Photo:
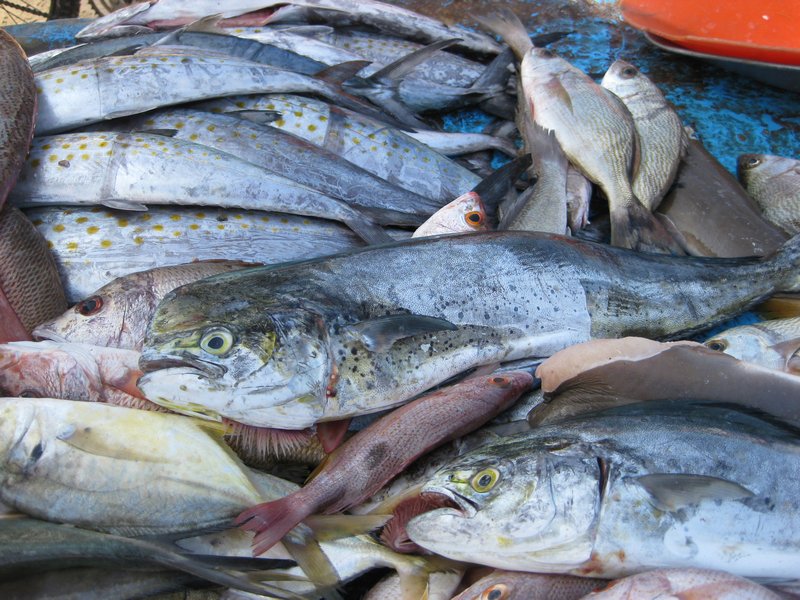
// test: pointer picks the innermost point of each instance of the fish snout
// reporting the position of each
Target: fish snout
(153, 361)
(42, 332)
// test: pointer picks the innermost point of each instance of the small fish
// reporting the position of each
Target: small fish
(465, 213)
(516, 585)
(372, 457)
(441, 586)
(684, 583)
(662, 139)
(95, 245)
(30, 286)
(117, 314)
(774, 183)
(771, 344)
(456, 143)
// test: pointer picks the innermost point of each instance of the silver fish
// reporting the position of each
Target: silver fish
(774, 183)
(772, 344)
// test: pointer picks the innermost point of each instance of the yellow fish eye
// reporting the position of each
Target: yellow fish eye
(485, 480)
(217, 341)
(718, 345)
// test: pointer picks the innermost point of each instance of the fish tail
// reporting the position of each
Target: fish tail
(507, 25)
(787, 260)
(636, 228)
(270, 521)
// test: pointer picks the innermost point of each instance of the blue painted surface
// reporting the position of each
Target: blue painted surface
(46, 35)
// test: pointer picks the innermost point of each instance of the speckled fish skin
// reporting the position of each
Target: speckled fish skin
(388, 17)
(28, 274)
(130, 171)
(117, 314)
(774, 183)
(18, 107)
(294, 158)
(384, 151)
(771, 344)
(464, 214)
(70, 371)
(516, 585)
(662, 139)
(298, 338)
(94, 245)
(626, 490)
(119, 470)
(116, 86)
(684, 583)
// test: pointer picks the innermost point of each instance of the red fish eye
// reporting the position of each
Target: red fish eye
(90, 306)
(474, 218)
(500, 381)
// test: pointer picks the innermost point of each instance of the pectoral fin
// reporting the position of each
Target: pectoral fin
(87, 439)
(381, 333)
(672, 491)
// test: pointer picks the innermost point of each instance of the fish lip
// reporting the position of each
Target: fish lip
(169, 361)
(456, 501)
(43, 333)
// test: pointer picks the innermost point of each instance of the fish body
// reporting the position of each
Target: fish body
(111, 168)
(94, 245)
(662, 139)
(465, 213)
(626, 490)
(362, 331)
(771, 344)
(117, 314)
(516, 585)
(774, 183)
(381, 150)
(117, 469)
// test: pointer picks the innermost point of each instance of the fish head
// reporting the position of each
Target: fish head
(464, 214)
(516, 506)
(233, 357)
(749, 344)
(623, 79)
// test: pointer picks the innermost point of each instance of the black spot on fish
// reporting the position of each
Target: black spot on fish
(37, 452)
(376, 455)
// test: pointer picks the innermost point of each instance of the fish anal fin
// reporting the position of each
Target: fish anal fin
(672, 491)
(381, 333)
(331, 434)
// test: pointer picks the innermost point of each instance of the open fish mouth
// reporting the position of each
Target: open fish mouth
(149, 364)
(446, 499)
(43, 333)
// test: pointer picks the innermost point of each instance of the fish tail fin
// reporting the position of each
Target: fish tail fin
(787, 259)
(367, 229)
(270, 521)
(636, 228)
(495, 76)
(507, 25)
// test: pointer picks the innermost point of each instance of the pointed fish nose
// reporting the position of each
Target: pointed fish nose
(153, 361)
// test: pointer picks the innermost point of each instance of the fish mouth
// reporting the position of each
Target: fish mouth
(43, 333)
(447, 499)
(148, 364)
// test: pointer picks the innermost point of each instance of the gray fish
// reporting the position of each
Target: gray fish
(302, 343)
(774, 183)
(644, 486)
(131, 170)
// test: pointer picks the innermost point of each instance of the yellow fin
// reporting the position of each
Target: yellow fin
(333, 527)
(86, 439)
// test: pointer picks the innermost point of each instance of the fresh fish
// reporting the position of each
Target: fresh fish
(455, 143)
(705, 195)
(118, 470)
(117, 86)
(111, 168)
(95, 245)
(515, 585)
(18, 109)
(774, 183)
(384, 151)
(117, 314)
(465, 213)
(662, 139)
(69, 371)
(293, 158)
(441, 586)
(301, 343)
(579, 195)
(633, 488)
(368, 460)
(771, 344)
(684, 583)
(594, 129)
(31, 544)
(601, 373)
(386, 17)
(30, 288)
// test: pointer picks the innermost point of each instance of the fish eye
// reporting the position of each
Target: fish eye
(498, 591)
(217, 341)
(90, 306)
(28, 393)
(717, 345)
(500, 381)
(474, 218)
(751, 162)
(485, 480)
(629, 72)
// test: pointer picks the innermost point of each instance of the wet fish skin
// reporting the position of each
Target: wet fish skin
(94, 245)
(595, 496)
(771, 344)
(662, 139)
(579, 195)
(774, 183)
(29, 279)
(464, 214)
(372, 457)
(117, 314)
(516, 585)
(322, 347)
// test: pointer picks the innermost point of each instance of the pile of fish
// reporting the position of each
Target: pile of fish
(310, 334)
